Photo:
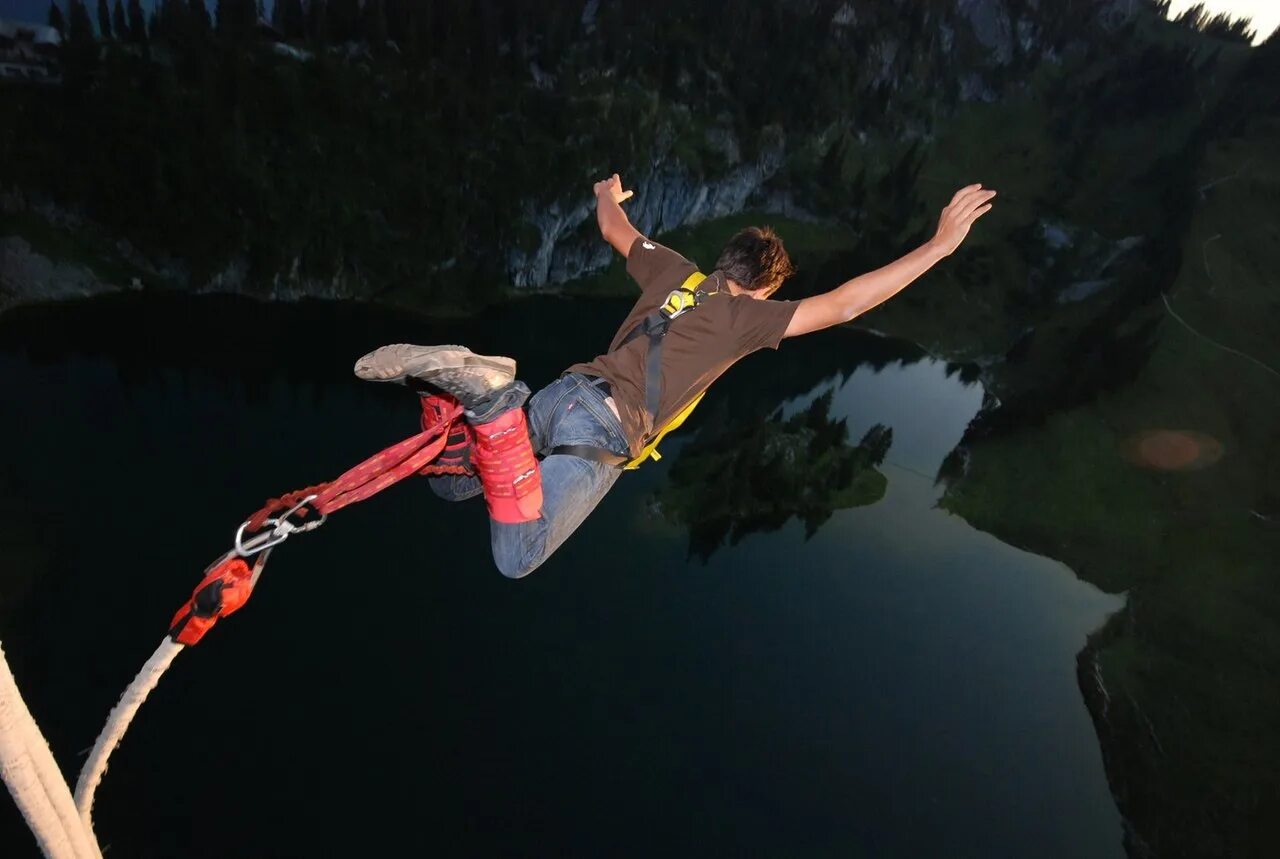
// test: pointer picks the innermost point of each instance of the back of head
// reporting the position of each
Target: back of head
(756, 260)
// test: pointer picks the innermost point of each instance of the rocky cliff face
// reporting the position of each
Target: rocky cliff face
(27, 276)
(671, 195)
(667, 197)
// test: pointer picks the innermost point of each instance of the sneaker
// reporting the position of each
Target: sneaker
(473, 379)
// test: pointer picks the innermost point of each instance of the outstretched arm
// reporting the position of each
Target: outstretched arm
(614, 225)
(857, 296)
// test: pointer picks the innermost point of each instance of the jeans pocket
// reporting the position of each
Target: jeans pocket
(585, 419)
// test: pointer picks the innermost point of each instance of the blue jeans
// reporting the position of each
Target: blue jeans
(568, 411)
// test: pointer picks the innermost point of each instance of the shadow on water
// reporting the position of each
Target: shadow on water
(850, 669)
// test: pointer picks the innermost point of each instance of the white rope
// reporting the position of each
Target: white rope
(117, 723)
(34, 780)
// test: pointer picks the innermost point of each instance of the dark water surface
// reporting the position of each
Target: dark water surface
(899, 684)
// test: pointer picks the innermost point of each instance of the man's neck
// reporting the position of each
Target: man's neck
(735, 288)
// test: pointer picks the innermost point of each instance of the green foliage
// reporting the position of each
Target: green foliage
(236, 20)
(137, 23)
(1220, 26)
(80, 28)
(119, 23)
(104, 19)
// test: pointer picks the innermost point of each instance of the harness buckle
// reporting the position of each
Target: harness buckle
(679, 302)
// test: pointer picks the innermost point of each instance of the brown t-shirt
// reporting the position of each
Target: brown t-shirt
(698, 347)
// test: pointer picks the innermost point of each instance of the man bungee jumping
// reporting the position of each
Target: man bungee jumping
(543, 471)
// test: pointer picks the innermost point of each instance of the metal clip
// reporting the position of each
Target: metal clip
(275, 530)
(679, 302)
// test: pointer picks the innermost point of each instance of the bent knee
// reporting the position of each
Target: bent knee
(520, 549)
(516, 567)
(516, 562)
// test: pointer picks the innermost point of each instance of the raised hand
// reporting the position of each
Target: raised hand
(969, 203)
(613, 188)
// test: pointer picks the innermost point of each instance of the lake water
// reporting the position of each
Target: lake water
(896, 684)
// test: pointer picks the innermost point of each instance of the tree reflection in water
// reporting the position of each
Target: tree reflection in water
(737, 479)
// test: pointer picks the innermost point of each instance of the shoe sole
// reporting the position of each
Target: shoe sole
(400, 360)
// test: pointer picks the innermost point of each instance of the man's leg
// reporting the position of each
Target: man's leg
(568, 411)
(571, 489)
(526, 524)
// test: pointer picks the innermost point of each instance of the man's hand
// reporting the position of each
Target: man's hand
(612, 188)
(855, 297)
(969, 204)
(614, 225)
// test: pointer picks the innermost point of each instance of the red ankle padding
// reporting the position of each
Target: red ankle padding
(456, 456)
(503, 456)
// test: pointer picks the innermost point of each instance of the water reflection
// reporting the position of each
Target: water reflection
(737, 479)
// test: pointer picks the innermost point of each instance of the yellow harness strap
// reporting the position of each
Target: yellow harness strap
(678, 302)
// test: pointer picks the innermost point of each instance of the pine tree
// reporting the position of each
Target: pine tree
(81, 28)
(344, 20)
(198, 19)
(397, 15)
(119, 22)
(374, 25)
(293, 22)
(170, 20)
(318, 21)
(137, 23)
(55, 19)
(237, 19)
(104, 19)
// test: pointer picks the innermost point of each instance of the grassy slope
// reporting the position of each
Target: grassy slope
(1190, 666)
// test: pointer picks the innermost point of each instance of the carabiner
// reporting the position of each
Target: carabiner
(276, 530)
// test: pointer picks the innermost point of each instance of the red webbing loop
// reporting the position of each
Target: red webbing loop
(369, 477)
(221, 592)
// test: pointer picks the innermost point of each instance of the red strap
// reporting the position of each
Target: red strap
(383, 469)
(369, 477)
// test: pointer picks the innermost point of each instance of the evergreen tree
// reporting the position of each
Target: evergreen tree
(397, 15)
(318, 22)
(104, 19)
(170, 20)
(81, 28)
(119, 22)
(198, 19)
(237, 19)
(55, 19)
(374, 25)
(293, 22)
(344, 20)
(137, 23)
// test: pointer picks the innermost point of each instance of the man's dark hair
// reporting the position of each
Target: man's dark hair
(756, 259)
